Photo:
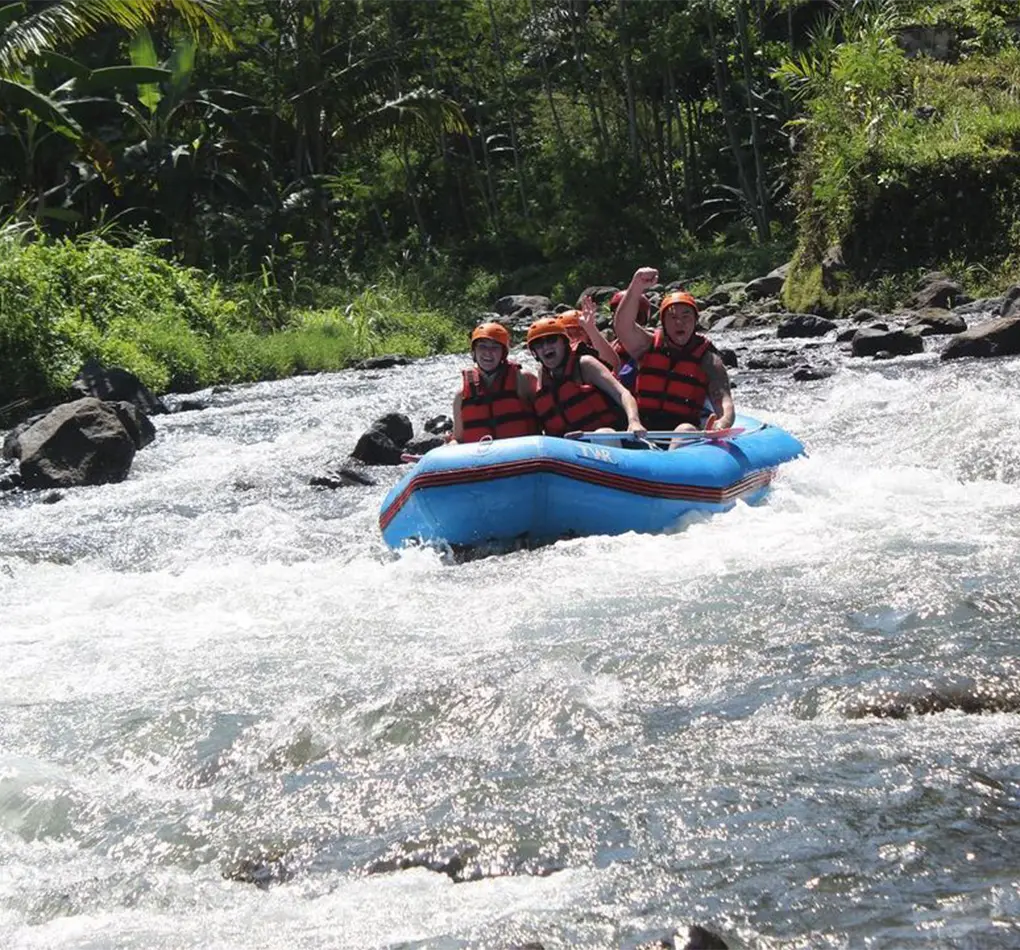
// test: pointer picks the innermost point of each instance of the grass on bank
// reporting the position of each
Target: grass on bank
(63, 301)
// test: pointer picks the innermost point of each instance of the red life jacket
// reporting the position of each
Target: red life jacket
(498, 412)
(671, 385)
(569, 405)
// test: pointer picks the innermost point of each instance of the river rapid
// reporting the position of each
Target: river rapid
(231, 718)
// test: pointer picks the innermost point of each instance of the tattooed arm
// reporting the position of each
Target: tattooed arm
(718, 391)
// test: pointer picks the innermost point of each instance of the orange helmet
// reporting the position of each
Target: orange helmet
(644, 305)
(571, 320)
(491, 331)
(547, 326)
(678, 296)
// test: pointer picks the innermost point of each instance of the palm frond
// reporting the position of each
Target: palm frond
(421, 113)
(45, 27)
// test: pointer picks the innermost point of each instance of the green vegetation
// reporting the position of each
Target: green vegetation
(910, 164)
(216, 190)
(64, 301)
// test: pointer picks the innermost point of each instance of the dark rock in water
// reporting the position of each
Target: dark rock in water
(768, 360)
(999, 337)
(972, 698)
(85, 442)
(381, 362)
(375, 447)
(804, 325)
(740, 321)
(438, 425)
(807, 372)
(728, 356)
(691, 937)
(188, 405)
(984, 305)
(135, 422)
(698, 938)
(866, 316)
(10, 481)
(884, 355)
(396, 426)
(263, 871)
(933, 322)
(343, 477)
(869, 342)
(423, 444)
(846, 334)
(52, 497)
(450, 862)
(114, 384)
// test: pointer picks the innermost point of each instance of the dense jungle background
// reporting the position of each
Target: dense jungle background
(208, 191)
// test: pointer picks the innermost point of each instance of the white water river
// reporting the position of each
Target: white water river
(214, 672)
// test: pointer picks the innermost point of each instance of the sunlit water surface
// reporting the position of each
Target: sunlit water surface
(229, 715)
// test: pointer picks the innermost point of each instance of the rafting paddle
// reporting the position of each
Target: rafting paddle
(711, 435)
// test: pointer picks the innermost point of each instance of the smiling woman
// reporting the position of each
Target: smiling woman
(495, 398)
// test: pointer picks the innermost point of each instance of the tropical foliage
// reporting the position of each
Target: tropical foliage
(303, 151)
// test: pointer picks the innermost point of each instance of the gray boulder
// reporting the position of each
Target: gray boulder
(1000, 337)
(383, 442)
(933, 322)
(942, 293)
(85, 442)
(804, 325)
(871, 342)
(519, 306)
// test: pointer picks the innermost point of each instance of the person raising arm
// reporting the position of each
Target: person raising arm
(677, 368)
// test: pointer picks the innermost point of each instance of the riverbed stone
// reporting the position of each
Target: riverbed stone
(381, 362)
(999, 337)
(932, 321)
(804, 325)
(870, 342)
(85, 442)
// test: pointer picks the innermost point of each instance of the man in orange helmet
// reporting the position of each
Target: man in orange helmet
(495, 398)
(677, 368)
(575, 391)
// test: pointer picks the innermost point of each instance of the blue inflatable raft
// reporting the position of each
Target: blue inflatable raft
(540, 488)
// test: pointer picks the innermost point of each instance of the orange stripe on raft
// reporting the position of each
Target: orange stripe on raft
(626, 483)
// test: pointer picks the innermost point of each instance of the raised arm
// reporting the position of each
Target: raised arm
(595, 374)
(606, 353)
(718, 391)
(635, 338)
